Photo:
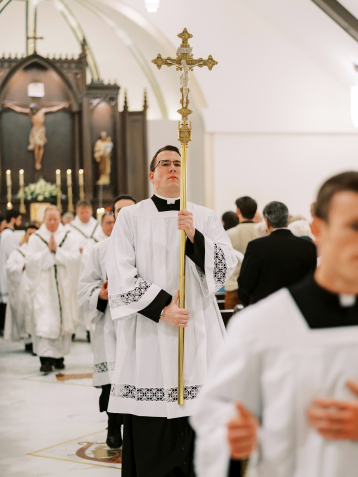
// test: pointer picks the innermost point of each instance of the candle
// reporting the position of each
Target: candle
(58, 177)
(21, 177)
(69, 177)
(8, 177)
(80, 177)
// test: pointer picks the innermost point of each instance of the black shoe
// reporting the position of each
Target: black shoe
(73, 337)
(114, 436)
(58, 363)
(88, 336)
(46, 367)
(29, 348)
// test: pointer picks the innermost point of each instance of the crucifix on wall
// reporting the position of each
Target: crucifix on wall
(37, 136)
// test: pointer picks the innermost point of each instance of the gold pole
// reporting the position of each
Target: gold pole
(182, 241)
(184, 62)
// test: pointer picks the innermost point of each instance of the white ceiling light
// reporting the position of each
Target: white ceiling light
(152, 6)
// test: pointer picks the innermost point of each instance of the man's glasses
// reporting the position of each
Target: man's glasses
(164, 164)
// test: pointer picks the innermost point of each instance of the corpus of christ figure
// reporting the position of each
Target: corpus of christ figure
(37, 136)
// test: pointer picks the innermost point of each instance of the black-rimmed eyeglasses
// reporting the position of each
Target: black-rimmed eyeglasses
(165, 163)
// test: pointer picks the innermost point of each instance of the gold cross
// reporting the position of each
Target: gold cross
(184, 53)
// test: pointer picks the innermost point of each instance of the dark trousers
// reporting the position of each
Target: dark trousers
(2, 315)
(104, 397)
(157, 447)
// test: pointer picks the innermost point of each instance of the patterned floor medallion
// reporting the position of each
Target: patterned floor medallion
(91, 449)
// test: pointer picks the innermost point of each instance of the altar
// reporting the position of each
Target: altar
(52, 120)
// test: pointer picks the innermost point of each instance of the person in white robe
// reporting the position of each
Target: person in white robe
(93, 296)
(87, 231)
(143, 281)
(290, 360)
(52, 255)
(107, 223)
(9, 241)
(17, 323)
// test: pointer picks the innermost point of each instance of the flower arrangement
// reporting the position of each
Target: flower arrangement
(40, 190)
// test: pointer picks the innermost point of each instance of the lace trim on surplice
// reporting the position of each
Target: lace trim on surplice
(129, 391)
(123, 299)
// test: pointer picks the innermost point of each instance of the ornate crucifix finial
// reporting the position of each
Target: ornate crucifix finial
(184, 62)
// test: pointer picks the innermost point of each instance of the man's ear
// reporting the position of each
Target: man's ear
(151, 177)
(316, 226)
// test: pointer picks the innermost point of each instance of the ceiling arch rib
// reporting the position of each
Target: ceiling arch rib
(4, 4)
(138, 56)
(79, 34)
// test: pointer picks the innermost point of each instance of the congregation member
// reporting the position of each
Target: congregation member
(229, 220)
(52, 255)
(17, 324)
(276, 261)
(143, 282)
(93, 296)
(291, 361)
(240, 236)
(8, 243)
(67, 218)
(301, 228)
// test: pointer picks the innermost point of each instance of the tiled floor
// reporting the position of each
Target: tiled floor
(49, 427)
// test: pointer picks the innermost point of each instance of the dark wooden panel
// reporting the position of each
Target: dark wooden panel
(137, 166)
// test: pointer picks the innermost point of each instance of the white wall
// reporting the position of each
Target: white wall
(285, 167)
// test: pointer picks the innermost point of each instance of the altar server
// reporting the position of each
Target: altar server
(17, 324)
(9, 242)
(294, 354)
(52, 254)
(107, 223)
(93, 296)
(143, 281)
(85, 227)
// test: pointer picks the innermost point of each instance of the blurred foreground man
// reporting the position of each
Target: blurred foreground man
(52, 254)
(93, 296)
(294, 353)
(143, 281)
(17, 323)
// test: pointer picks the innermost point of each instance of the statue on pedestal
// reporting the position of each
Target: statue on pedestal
(37, 136)
(102, 154)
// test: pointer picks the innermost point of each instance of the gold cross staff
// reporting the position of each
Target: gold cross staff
(185, 63)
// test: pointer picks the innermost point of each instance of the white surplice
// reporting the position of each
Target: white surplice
(52, 291)
(9, 241)
(17, 323)
(142, 261)
(276, 365)
(84, 232)
(104, 336)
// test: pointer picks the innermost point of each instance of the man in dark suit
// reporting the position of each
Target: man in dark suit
(276, 261)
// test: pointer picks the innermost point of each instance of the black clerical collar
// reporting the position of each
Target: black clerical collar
(163, 206)
(322, 308)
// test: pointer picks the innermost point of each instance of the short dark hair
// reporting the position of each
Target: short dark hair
(11, 214)
(84, 203)
(230, 220)
(247, 206)
(122, 197)
(2, 218)
(165, 148)
(346, 181)
(31, 226)
(108, 212)
(277, 214)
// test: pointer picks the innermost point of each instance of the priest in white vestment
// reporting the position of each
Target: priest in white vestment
(289, 360)
(93, 297)
(52, 255)
(8, 243)
(107, 223)
(17, 323)
(143, 281)
(87, 231)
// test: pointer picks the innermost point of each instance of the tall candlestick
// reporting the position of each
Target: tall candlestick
(58, 187)
(8, 183)
(81, 184)
(70, 207)
(21, 183)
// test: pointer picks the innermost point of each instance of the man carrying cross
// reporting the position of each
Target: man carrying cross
(143, 281)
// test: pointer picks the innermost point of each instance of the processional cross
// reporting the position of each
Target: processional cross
(184, 62)
(35, 38)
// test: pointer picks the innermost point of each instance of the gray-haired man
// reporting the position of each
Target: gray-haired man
(276, 261)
